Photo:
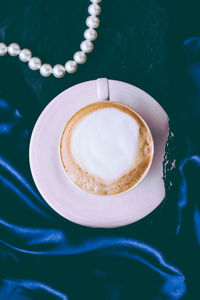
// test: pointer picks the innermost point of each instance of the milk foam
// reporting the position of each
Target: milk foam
(105, 143)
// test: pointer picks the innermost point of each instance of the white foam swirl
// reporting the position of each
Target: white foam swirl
(105, 143)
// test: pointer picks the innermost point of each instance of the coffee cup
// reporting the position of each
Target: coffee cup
(106, 148)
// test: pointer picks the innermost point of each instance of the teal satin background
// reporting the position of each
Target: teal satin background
(42, 255)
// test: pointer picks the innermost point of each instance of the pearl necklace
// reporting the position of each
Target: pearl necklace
(34, 63)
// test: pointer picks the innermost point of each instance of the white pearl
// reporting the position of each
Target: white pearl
(87, 46)
(71, 66)
(13, 49)
(34, 63)
(94, 9)
(80, 57)
(3, 49)
(92, 21)
(25, 55)
(58, 71)
(90, 34)
(95, 1)
(46, 70)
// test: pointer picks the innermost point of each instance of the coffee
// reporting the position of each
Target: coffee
(106, 148)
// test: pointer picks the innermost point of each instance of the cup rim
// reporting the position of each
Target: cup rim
(144, 174)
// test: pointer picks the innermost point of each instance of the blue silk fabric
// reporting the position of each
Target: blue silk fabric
(44, 256)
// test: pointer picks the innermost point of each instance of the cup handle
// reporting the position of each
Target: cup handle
(102, 89)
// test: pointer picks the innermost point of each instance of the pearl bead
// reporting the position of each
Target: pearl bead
(46, 70)
(13, 49)
(87, 46)
(3, 49)
(90, 34)
(95, 1)
(25, 55)
(34, 63)
(94, 9)
(92, 21)
(71, 66)
(58, 71)
(80, 57)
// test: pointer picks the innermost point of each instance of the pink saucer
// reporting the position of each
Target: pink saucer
(55, 186)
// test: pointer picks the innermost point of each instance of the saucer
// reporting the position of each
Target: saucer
(56, 187)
